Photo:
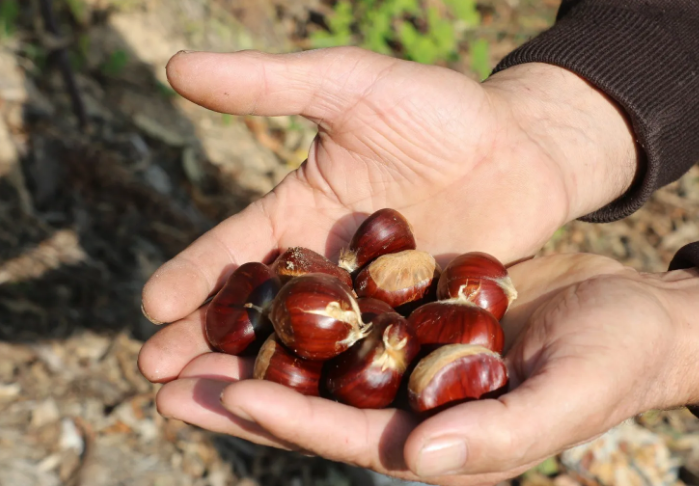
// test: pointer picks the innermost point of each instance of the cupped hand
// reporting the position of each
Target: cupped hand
(590, 344)
(496, 167)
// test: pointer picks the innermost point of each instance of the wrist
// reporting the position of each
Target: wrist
(680, 293)
(584, 132)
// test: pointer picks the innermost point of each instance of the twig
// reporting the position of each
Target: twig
(64, 64)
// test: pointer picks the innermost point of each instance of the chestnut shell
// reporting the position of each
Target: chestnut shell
(479, 278)
(384, 231)
(372, 308)
(456, 373)
(317, 317)
(276, 363)
(298, 261)
(398, 278)
(236, 318)
(369, 374)
(440, 323)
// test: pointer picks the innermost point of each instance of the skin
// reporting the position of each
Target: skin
(530, 149)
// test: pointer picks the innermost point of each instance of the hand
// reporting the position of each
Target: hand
(497, 166)
(590, 343)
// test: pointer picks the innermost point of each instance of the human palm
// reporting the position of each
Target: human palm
(445, 151)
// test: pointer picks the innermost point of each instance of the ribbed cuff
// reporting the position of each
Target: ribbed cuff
(638, 60)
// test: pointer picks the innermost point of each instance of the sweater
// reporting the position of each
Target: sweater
(644, 54)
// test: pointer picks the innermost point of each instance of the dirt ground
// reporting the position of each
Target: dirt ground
(89, 211)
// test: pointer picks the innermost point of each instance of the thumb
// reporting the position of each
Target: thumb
(320, 84)
(562, 405)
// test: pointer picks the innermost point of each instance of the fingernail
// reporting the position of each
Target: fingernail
(154, 321)
(186, 51)
(442, 456)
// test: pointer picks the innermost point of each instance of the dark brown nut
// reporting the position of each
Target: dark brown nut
(398, 278)
(385, 231)
(454, 374)
(276, 363)
(317, 317)
(298, 261)
(478, 278)
(369, 373)
(237, 315)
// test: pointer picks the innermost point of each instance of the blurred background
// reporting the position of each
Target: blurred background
(105, 173)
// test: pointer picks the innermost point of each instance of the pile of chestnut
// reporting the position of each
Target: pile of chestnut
(385, 317)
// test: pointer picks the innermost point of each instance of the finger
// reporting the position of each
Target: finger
(219, 366)
(318, 84)
(181, 285)
(367, 438)
(197, 402)
(163, 357)
(548, 413)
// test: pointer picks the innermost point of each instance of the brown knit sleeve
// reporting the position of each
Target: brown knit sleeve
(644, 54)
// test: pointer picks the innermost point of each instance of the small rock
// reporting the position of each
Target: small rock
(45, 413)
(71, 438)
(10, 390)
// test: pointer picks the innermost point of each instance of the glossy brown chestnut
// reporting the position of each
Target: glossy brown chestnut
(369, 373)
(385, 231)
(317, 317)
(456, 373)
(236, 316)
(440, 323)
(276, 363)
(372, 308)
(479, 278)
(398, 278)
(299, 261)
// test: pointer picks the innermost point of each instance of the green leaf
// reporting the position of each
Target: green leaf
(442, 32)
(79, 11)
(376, 27)
(480, 58)
(116, 63)
(341, 20)
(9, 12)
(465, 11)
(408, 35)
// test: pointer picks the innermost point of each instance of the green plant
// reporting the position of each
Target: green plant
(406, 28)
(115, 64)
(9, 12)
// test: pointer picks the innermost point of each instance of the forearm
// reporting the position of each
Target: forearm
(643, 56)
(578, 126)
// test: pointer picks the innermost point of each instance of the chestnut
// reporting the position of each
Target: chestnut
(301, 261)
(385, 231)
(372, 308)
(236, 316)
(456, 373)
(478, 278)
(440, 323)
(276, 363)
(398, 278)
(369, 373)
(317, 317)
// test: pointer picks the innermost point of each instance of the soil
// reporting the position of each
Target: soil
(88, 212)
